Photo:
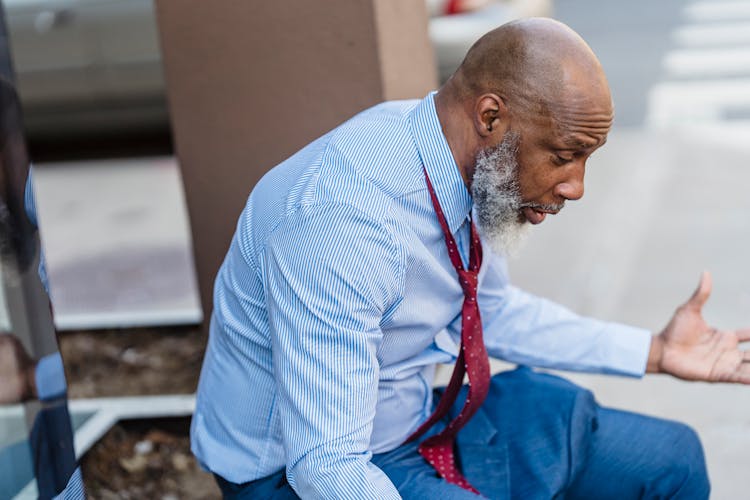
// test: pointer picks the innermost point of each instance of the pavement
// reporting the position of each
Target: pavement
(117, 243)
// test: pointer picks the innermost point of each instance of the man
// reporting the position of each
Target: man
(356, 268)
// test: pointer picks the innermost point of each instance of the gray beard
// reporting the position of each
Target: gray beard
(497, 197)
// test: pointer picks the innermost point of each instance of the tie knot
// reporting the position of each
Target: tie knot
(468, 281)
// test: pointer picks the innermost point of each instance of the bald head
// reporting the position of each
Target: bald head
(533, 64)
(535, 78)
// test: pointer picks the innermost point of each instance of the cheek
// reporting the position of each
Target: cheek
(536, 176)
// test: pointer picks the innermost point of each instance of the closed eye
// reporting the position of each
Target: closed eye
(561, 160)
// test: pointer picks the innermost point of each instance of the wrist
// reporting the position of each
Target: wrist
(655, 354)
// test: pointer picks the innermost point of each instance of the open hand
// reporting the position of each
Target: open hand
(690, 349)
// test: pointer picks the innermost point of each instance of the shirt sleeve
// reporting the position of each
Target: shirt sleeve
(522, 328)
(31, 213)
(330, 274)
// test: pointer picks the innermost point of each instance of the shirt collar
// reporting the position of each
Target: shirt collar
(454, 198)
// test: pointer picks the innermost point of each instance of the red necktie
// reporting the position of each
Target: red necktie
(472, 359)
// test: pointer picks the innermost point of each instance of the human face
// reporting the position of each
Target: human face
(552, 155)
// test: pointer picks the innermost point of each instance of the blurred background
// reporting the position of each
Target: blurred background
(665, 199)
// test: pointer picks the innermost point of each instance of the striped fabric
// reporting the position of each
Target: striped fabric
(337, 298)
(30, 206)
(74, 489)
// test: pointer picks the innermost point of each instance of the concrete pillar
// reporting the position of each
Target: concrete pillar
(249, 83)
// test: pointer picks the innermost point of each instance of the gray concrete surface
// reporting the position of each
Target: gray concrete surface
(117, 243)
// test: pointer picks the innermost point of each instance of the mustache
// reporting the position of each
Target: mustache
(544, 207)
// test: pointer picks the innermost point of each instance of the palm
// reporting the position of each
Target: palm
(692, 350)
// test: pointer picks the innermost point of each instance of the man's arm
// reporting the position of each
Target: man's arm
(526, 329)
(330, 273)
(522, 328)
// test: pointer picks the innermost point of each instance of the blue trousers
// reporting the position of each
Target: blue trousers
(538, 436)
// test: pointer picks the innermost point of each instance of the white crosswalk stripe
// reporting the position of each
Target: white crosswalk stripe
(706, 76)
(712, 34)
(708, 62)
(715, 10)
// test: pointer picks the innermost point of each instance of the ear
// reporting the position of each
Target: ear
(491, 115)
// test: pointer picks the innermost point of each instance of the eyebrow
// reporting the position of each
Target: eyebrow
(573, 144)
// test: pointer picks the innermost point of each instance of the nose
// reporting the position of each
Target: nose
(572, 187)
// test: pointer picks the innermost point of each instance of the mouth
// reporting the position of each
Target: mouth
(535, 215)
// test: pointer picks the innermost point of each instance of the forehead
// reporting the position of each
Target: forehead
(573, 125)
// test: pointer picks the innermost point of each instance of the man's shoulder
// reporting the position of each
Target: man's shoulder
(394, 108)
(366, 163)
(376, 126)
(375, 149)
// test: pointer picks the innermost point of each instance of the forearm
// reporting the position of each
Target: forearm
(526, 329)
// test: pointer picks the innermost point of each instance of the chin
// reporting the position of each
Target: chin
(507, 239)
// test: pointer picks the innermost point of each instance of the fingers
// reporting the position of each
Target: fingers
(742, 374)
(743, 335)
(700, 295)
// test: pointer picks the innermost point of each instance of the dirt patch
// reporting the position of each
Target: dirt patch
(151, 459)
(139, 458)
(141, 361)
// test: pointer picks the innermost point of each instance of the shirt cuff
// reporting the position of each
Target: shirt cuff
(50, 377)
(628, 348)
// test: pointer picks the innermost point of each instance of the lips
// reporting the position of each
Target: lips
(534, 215)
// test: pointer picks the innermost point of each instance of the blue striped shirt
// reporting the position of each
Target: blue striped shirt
(337, 299)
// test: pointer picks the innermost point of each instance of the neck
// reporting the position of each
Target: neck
(452, 118)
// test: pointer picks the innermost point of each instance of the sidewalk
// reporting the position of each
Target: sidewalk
(117, 243)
